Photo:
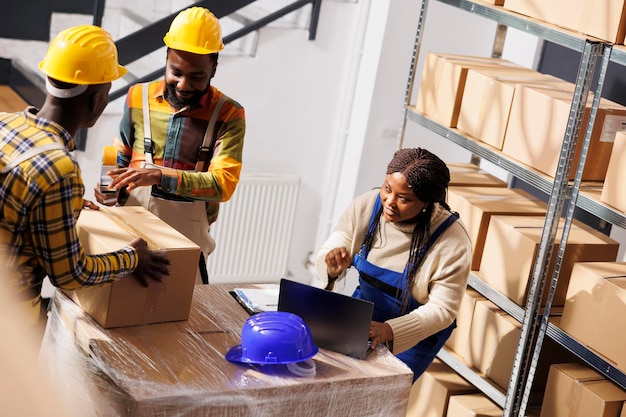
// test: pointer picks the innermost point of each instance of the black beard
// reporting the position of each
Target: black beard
(170, 96)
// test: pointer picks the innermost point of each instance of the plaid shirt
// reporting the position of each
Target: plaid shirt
(176, 138)
(40, 201)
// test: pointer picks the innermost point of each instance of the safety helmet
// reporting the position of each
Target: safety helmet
(82, 55)
(195, 30)
(273, 337)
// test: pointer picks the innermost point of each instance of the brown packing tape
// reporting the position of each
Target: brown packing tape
(109, 155)
(116, 218)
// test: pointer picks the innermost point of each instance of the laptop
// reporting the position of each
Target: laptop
(337, 322)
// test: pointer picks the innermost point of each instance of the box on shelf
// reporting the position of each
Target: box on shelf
(431, 392)
(443, 81)
(462, 175)
(457, 342)
(126, 302)
(476, 205)
(614, 187)
(575, 390)
(595, 310)
(473, 405)
(487, 98)
(537, 124)
(179, 368)
(493, 341)
(512, 243)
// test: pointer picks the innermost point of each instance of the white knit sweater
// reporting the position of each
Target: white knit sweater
(440, 281)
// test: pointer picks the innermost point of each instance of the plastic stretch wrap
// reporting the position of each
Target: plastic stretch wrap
(178, 369)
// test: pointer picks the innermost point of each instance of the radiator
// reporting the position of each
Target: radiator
(253, 231)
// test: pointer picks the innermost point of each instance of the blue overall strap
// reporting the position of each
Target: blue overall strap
(438, 232)
(371, 229)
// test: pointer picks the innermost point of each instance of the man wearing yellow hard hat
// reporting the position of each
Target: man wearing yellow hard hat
(41, 186)
(181, 140)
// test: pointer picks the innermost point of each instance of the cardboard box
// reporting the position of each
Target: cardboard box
(431, 392)
(575, 390)
(536, 9)
(487, 98)
(457, 342)
(443, 81)
(493, 342)
(476, 205)
(179, 368)
(614, 187)
(512, 244)
(126, 302)
(473, 405)
(462, 175)
(595, 309)
(537, 124)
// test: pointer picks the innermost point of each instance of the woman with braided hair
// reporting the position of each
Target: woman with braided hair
(412, 253)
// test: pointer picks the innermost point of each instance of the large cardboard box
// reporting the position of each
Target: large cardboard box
(595, 309)
(493, 341)
(575, 390)
(179, 369)
(537, 124)
(487, 98)
(536, 9)
(473, 405)
(462, 175)
(614, 187)
(512, 243)
(476, 205)
(457, 342)
(126, 302)
(443, 81)
(431, 392)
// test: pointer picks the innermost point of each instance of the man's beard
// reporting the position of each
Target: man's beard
(177, 103)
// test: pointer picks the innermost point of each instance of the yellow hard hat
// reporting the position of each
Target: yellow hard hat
(82, 55)
(195, 30)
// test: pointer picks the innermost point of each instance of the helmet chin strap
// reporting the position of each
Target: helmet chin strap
(65, 92)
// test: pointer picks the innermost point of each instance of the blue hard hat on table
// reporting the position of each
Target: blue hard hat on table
(273, 337)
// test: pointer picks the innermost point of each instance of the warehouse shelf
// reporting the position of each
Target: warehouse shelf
(588, 200)
(497, 298)
(564, 196)
(593, 360)
(491, 390)
(525, 24)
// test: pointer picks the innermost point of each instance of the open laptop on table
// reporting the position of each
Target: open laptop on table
(337, 322)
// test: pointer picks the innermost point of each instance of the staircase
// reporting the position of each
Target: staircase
(139, 34)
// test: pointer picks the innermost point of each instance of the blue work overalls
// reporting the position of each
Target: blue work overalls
(384, 288)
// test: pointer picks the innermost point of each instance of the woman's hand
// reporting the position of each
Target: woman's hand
(337, 261)
(380, 333)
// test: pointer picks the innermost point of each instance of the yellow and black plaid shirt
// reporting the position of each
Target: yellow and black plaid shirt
(40, 201)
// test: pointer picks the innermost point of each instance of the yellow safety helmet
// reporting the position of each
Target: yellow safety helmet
(82, 55)
(195, 30)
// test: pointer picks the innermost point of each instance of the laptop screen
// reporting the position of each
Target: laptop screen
(337, 322)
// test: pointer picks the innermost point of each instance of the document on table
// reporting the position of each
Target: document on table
(255, 300)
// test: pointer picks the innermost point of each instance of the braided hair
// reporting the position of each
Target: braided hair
(428, 176)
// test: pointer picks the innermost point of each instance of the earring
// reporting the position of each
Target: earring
(424, 209)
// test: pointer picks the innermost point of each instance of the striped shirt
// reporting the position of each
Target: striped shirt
(40, 201)
(177, 137)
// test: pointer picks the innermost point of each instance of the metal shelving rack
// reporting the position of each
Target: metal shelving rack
(564, 197)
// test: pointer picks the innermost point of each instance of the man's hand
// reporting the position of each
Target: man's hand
(134, 177)
(88, 204)
(104, 199)
(152, 264)
(337, 261)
